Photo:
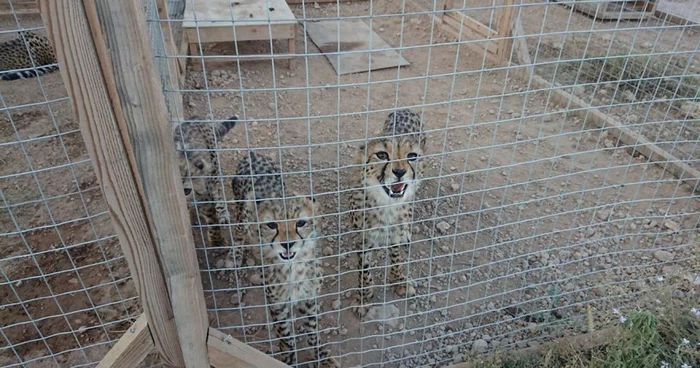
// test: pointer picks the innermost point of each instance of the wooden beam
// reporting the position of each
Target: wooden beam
(172, 82)
(141, 103)
(635, 141)
(471, 23)
(108, 69)
(227, 352)
(505, 42)
(132, 347)
(112, 157)
(522, 51)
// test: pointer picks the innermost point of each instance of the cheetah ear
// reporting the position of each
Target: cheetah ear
(198, 163)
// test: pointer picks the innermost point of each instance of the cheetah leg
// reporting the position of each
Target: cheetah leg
(366, 284)
(283, 329)
(215, 237)
(397, 273)
(323, 355)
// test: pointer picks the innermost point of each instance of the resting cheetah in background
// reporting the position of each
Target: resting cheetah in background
(14, 56)
(196, 147)
(288, 245)
(389, 177)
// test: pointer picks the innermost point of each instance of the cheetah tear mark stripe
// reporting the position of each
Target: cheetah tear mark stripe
(26, 74)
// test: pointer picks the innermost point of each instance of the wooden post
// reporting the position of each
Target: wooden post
(175, 104)
(107, 65)
(505, 41)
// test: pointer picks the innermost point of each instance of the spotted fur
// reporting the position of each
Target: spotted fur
(195, 143)
(16, 61)
(388, 179)
(285, 233)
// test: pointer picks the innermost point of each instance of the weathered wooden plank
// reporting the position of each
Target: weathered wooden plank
(138, 97)
(77, 52)
(230, 353)
(131, 348)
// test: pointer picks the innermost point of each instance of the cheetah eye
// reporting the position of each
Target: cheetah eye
(188, 191)
(412, 156)
(382, 155)
(301, 223)
(198, 164)
(272, 225)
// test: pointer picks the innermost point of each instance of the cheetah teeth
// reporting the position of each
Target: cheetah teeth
(288, 255)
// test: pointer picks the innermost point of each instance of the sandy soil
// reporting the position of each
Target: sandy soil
(527, 216)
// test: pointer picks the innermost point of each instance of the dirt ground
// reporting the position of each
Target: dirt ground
(527, 217)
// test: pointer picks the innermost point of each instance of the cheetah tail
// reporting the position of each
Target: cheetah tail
(31, 73)
(226, 125)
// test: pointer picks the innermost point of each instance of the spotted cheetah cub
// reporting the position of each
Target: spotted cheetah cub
(389, 177)
(285, 231)
(196, 147)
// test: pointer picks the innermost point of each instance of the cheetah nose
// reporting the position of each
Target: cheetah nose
(287, 245)
(399, 172)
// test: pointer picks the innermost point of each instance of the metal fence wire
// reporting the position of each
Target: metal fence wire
(536, 215)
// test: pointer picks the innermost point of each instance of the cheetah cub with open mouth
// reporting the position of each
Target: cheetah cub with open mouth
(389, 177)
(285, 233)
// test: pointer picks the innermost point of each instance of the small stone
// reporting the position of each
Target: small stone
(255, 279)
(455, 187)
(672, 225)
(271, 105)
(336, 304)
(480, 346)
(73, 281)
(250, 262)
(343, 331)
(220, 263)
(327, 251)
(604, 215)
(445, 249)
(443, 226)
(82, 329)
(388, 314)
(663, 256)
(463, 278)
(316, 6)
(579, 90)
(628, 96)
(229, 263)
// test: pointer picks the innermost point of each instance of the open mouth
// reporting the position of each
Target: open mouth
(395, 190)
(287, 256)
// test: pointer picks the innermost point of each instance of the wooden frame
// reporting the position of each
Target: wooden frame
(497, 43)
(612, 10)
(634, 141)
(249, 24)
(105, 71)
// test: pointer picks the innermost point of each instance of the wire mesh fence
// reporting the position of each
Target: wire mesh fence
(531, 221)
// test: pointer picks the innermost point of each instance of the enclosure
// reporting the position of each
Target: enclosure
(560, 175)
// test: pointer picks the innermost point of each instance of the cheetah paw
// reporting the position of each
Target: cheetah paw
(405, 290)
(360, 309)
(329, 363)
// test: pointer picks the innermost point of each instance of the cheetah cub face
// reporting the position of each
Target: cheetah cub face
(392, 166)
(285, 236)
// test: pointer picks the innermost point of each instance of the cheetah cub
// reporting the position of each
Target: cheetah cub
(285, 232)
(389, 176)
(196, 147)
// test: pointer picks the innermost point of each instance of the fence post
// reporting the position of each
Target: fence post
(505, 41)
(108, 68)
